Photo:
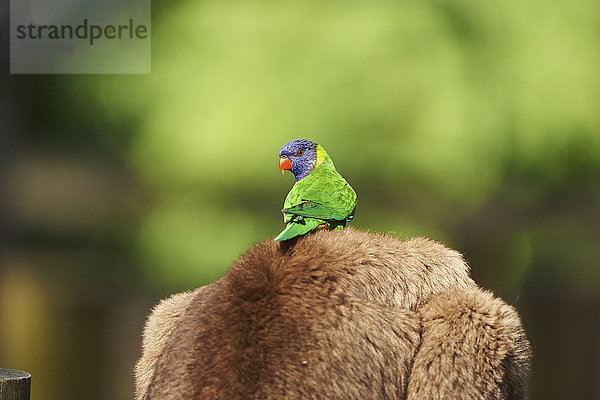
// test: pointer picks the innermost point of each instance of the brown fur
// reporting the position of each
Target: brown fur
(159, 326)
(336, 315)
(472, 342)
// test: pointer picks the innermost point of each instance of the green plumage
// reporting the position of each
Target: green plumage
(323, 197)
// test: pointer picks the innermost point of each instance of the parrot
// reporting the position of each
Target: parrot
(320, 198)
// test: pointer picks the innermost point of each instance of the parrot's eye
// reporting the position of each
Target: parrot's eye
(299, 152)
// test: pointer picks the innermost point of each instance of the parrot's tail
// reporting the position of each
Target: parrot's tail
(301, 227)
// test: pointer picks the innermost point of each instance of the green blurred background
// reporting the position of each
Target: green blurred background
(474, 123)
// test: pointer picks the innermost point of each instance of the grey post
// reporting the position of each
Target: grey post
(14, 384)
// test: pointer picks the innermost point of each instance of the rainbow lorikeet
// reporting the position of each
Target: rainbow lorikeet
(320, 198)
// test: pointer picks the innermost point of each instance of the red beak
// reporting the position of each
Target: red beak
(285, 164)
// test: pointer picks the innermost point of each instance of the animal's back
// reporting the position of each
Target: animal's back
(333, 315)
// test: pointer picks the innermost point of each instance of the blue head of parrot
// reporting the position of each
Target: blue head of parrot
(298, 156)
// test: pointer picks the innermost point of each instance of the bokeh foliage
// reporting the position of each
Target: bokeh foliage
(426, 108)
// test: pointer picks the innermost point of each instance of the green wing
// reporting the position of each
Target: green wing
(323, 194)
(310, 208)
